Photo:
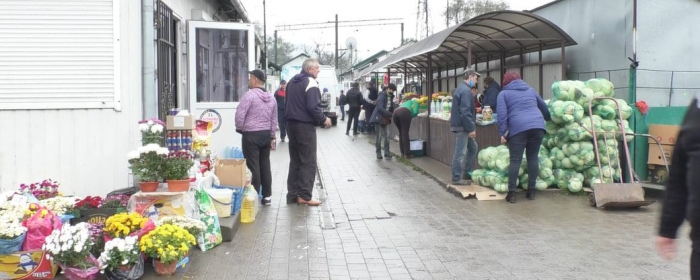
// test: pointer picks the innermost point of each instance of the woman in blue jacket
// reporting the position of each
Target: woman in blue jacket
(521, 115)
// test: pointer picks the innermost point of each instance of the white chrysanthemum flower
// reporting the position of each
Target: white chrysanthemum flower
(157, 128)
(163, 151)
(143, 127)
(150, 122)
(133, 155)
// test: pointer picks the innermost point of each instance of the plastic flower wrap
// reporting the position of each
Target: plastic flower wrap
(70, 246)
(192, 226)
(59, 205)
(123, 224)
(119, 252)
(43, 190)
(167, 243)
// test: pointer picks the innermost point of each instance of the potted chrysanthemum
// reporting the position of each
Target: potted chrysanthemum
(121, 258)
(70, 247)
(147, 163)
(167, 245)
(176, 170)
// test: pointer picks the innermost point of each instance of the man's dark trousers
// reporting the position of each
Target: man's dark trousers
(302, 160)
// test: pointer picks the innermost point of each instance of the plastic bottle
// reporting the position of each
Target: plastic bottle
(249, 205)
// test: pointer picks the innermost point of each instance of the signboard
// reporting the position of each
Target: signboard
(212, 116)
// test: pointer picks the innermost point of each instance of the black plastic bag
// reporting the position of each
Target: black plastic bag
(135, 273)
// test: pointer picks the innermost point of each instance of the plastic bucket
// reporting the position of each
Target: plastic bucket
(222, 198)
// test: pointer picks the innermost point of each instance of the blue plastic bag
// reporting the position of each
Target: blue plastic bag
(9, 246)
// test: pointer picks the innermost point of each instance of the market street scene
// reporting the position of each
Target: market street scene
(327, 139)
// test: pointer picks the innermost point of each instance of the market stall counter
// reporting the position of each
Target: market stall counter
(441, 143)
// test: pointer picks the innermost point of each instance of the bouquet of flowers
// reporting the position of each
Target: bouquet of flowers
(123, 224)
(151, 131)
(167, 243)
(33, 209)
(147, 162)
(116, 201)
(192, 226)
(120, 252)
(13, 210)
(177, 165)
(89, 202)
(45, 189)
(70, 246)
(12, 230)
(59, 205)
(97, 237)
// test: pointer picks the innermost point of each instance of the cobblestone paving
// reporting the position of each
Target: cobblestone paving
(393, 223)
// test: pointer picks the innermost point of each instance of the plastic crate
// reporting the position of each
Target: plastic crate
(237, 198)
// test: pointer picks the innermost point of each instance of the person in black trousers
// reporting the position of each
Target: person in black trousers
(402, 119)
(370, 103)
(354, 100)
(256, 120)
(279, 97)
(683, 191)
(342, 100)
(304, 114)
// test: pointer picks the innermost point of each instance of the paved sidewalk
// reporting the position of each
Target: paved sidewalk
(391, 222)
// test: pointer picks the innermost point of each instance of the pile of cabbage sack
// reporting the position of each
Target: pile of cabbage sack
(567, 157)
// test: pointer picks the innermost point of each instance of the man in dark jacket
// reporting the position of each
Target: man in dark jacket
(491, 93)
(370, 103)
(463, 123)
(683, 191)
(279, 97)
(341, 103)
(384, 109)
(354, 100)
(303, 109)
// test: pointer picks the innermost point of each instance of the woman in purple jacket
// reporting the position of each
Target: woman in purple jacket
(256, 119)
(521, 116)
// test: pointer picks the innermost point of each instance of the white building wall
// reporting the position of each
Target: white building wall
(84, 149)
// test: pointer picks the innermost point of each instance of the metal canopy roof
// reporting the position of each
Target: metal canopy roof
(490, 35)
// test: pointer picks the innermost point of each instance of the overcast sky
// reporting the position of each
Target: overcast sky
(370, 39)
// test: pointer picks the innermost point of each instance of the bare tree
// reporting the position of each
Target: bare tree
(463, 10)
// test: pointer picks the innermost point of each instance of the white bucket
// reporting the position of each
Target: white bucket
(223, 200)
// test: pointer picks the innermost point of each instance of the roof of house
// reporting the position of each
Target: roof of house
(298, 56)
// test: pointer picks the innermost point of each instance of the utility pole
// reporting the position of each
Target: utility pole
(265, 35)
(336, 42)
(447, 15)
(401, 35)
(427, 29)
(276, 48)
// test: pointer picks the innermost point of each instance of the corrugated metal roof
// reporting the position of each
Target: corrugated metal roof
(509, 32)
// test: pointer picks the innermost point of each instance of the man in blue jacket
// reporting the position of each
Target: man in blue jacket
(304, 114)
(491, 93)
(463, 123)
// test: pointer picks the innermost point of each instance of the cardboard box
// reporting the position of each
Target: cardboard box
(231, 172)
(657, 174)
(27, 265)
(666, 134)
(655, 154)
(180, 123)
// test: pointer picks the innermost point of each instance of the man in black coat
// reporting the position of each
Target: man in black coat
(370, 103)
(304, 114)
(491, 93)
(683, 191)
(342, 100)
(354, 100)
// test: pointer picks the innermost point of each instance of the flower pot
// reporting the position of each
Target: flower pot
(178, 185)
(125, 268)
(165, 269)
(148, 186)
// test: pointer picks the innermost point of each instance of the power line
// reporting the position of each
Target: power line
(333, 22)
(339, 26)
